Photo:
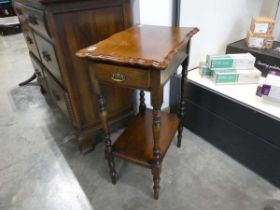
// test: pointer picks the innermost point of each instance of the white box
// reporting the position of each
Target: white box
(231, 61)
(248, 77)
(243, 61)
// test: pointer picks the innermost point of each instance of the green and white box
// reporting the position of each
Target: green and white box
(217, 62)
(204, 70)
(228, 76)
(231, 61)
(250, 76)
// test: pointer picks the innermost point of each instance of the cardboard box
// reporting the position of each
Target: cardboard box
(231, 61)
(262, 25)
(259, 41)
(204, 70)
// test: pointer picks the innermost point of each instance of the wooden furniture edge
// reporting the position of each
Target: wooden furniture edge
(138, 62)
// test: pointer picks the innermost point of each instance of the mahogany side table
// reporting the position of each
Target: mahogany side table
(142, 57)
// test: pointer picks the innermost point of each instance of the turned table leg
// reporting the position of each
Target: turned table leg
(104, 121)
(156, 168)
(142, 106)
(182, 107)
(181, 113)
(108, 143)
(157, 98)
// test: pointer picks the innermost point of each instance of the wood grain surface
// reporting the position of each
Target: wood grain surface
(136, 143)
(144, 46)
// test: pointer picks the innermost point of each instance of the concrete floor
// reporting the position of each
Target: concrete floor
(41, 167)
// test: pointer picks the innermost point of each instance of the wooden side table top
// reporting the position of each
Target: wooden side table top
(142, 46)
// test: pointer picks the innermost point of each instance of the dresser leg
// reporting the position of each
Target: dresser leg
(142, 106)
(28, 80)
(181, 113)
(108, 143)
(42, 90)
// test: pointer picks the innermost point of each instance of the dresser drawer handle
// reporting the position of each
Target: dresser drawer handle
(56, 96)
(118, 77)
(29, 40)
(33, 20)
(46, 56)
(38, 73)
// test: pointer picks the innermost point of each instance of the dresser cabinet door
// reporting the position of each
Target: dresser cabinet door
(48, 56)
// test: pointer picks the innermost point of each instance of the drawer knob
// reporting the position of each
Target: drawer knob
(38, 73)
(56, 96)
(46, 56)
(118, 77)
(29, 40)
(33, 20)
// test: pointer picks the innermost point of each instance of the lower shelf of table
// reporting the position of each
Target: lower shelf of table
(136, 143)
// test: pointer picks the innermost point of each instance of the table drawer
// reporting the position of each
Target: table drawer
(39, 72)
(48, 56)
(122, 76)
(58, 94)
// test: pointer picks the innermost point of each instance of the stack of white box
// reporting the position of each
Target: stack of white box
(231, 69)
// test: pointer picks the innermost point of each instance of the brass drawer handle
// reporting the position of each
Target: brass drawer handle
(33, 20)
(46, 56)
(118, 77)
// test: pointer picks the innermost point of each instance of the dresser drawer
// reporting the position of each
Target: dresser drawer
(39, 72)
(34, 17)
(58, 94)
(27, 30)
(48, 56)
(31, 44)
(122, 76)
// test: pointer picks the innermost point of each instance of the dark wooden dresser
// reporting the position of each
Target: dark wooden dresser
(54, 30)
